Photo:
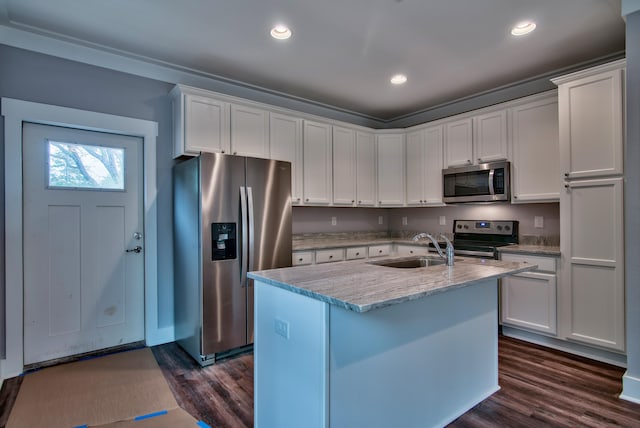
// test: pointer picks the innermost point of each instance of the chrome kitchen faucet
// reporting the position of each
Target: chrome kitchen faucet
(448, 257)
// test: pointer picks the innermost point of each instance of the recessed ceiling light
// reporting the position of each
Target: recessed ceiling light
(398, 79)
(522, 28)
(280, 32)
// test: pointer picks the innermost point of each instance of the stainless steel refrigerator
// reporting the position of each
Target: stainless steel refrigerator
(231, 215)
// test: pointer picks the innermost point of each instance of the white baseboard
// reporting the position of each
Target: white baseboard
(630, 389)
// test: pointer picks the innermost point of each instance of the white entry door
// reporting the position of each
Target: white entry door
(83, 243)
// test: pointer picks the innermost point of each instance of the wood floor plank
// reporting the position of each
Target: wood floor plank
(540, 387)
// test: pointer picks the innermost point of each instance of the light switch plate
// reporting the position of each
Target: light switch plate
(443, 220)
(334, 221)
(538, 222)
(380, 219)
(404, 220)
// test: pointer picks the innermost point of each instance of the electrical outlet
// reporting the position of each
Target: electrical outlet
(380, 219)
(281, 328)
(404, 220)
(538, 222)
(334, 221)
(443, 220)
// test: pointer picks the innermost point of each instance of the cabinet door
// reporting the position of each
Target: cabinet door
(206, 125)
(535, 152)
(365, 169)
(433, 166)
(249, 131)
(415, 177)
(490, 142)
(344, 166)
(591, 228)
(529, 300)
(390, 169)
(316, 164)
(285, 143)
(591, 128)
(459, 143)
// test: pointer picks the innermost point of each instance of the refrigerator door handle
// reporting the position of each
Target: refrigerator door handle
(243, 240)
(251, 264)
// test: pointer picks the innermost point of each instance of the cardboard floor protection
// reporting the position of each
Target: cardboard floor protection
(109, 391)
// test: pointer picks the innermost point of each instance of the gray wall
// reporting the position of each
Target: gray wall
(632, 196)
(41, 78)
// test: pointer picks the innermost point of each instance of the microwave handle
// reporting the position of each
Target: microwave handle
(491, 189)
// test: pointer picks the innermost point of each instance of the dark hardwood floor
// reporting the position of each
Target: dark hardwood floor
(540, 388)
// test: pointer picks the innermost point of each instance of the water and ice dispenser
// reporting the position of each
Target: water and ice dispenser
(223, 241)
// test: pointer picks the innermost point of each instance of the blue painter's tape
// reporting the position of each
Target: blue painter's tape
(81, 426)
(202, 424)
(150, 415)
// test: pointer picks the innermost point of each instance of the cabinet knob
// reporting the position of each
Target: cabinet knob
(222, 151)
(515, 197)
(379, 251)
(359, 202)
(380, 202)
(567, 186)
(235, 153)
(353, 201)
(479, 160)
(469, 161)
(300, 259)
(307, 200)
(298, 199)
(330, 257)
(358, 253)
(566, 174)
(410, 251)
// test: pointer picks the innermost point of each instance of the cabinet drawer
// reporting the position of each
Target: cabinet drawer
(356, 253)
(334, 255)
(545, 264)
(301, 258)
(411, 250)
(379, 250)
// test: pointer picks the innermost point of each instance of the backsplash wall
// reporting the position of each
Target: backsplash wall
(318, 219)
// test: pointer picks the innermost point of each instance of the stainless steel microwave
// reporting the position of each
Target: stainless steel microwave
(485, 182)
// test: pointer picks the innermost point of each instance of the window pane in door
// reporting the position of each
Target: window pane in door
(84, 166)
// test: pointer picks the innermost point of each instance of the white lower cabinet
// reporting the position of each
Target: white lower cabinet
(528, 300)
(331, 255)
(411, 250)
(301, 258)
(355, 253)
(379, 250)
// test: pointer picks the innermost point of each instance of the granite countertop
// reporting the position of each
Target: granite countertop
(361, 287)
(534, 250)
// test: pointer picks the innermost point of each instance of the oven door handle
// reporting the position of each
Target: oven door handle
(490, 254)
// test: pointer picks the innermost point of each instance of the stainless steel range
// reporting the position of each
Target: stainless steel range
(481, 238)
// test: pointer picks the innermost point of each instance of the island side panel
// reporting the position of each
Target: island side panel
(290, 359)
(417, 364)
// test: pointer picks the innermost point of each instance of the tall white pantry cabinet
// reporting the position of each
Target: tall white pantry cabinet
(591, 300)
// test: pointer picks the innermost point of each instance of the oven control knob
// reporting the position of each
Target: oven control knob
(459, 226)
(466, 227)
(507, 228)
(500, 227)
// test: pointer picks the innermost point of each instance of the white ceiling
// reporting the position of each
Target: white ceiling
(342, 52)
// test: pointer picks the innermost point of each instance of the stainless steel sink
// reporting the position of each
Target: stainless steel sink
(409, 262)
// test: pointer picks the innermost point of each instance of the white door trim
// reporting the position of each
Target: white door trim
(16, 112)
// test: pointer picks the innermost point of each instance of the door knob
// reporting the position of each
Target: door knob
(137, 249)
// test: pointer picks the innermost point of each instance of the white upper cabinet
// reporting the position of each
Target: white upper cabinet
(391, 177)
(535, 150)
(316, 164)
(591, 125)
(490, 139)
(344, 166)
(433, 143)
(201, 123)
(365, 169)
(424, 166)
(285, 143)
(249, 131)
(477, 139)
(415, 176)
(459, 142)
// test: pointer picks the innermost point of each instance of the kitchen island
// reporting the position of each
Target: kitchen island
(353, 344)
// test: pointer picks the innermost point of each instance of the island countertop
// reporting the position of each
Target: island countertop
(360, 286)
